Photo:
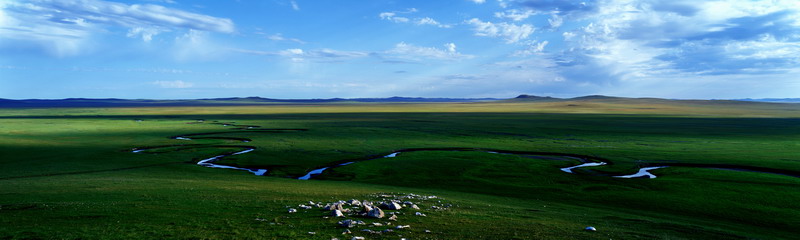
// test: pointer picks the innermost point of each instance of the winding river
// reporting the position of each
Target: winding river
(585, 161)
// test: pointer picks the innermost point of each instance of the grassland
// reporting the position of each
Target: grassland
(68, 173)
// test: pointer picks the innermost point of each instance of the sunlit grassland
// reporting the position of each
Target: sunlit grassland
(69, 173)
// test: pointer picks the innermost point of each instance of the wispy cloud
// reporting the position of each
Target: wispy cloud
(404, 50)
(394, 17)
(294, 5)
(431, 21)
(515, 14)
(173, 84)
(280, 37)
(325, 54)
(510, 32)
(62, 26)
(533, 48)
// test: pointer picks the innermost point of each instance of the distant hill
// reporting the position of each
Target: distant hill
(610, 99)
(235, 101)
(239, 101)
(773, 100)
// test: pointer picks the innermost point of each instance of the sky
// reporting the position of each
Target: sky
(180, 49)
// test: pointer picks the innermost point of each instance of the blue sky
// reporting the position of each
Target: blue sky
(169, 49)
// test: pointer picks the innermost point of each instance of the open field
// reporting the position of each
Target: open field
(69, 173)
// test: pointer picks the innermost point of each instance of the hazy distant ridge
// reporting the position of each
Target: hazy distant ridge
(237, 101)
(113, 102)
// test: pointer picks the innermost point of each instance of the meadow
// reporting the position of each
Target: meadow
(70, 173)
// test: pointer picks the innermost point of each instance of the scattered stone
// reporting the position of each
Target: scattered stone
(388, 230)
(591, 229)
(337, 213)
(346, 231)
(357, 238)
(427, 231)
(367, 208)
(375, 213)
(391, 206)
(334, 239)
(311, 203)
(414, 206)
(354, 202)
(312, 233)
(402, 226)
(393, 217)
(304, 206)
(420, 214)
(377, 224)
(348, 224)
(371, 231)
(292, 210)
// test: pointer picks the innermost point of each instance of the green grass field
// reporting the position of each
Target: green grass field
(69, 173)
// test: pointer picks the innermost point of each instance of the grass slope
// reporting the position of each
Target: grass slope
(69, 173)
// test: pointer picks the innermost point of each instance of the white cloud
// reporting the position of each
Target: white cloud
(451, 47)
(478, 1)
(408, 51)
(510, 32)
(294, 5)
(64, 27)
(320, 55)
(145, 33)
(636, 46)
(533, 48)
(280, 37)
(515, 14)
(431, 21)
(555, 21)
(173, 84)
(393, 17)
(163, 1)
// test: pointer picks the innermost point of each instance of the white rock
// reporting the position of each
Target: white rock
(375, 213)
(357, 238)
(420, 214)
(591, 229)
(337, 213)
(292, 210)
(391, 206)
(393, 217)
(414, 206)
(348, 224)
(367, 208)
(312, 233)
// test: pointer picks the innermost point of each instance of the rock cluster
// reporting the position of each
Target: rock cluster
(381, 206)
